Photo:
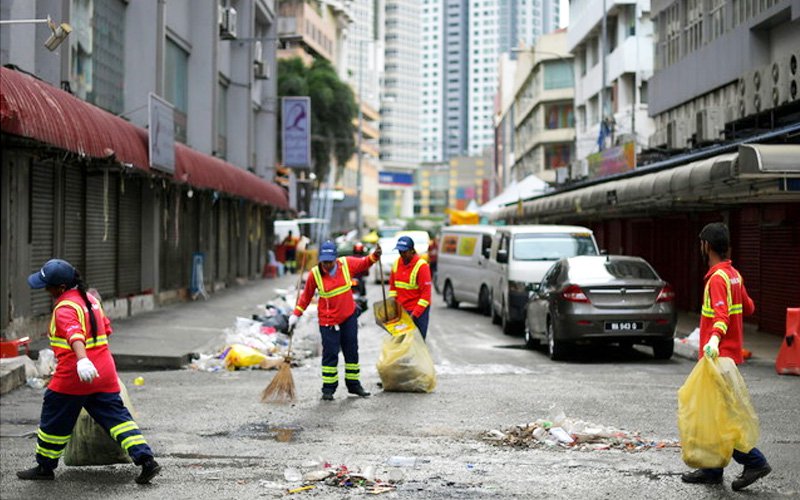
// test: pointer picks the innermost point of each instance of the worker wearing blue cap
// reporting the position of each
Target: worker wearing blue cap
(410, 283)
(338, 324)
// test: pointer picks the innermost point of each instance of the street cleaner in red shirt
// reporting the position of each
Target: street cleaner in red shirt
(85, 376)
(410, 283)
(725, 301)
(338, 323)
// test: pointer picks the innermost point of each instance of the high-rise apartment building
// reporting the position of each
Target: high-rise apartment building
(459, 68)
(400, 103)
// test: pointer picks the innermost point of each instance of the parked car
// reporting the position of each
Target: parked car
(463, 270)
(608, 299)
(520, 257)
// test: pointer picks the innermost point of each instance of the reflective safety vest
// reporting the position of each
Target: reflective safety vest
(725, 303)
(733, 308)
(91, 342)
(411, 284)
(346, 284)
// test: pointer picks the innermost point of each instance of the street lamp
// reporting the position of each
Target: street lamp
(59, 32)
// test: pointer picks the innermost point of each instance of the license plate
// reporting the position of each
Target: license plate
(624, 326)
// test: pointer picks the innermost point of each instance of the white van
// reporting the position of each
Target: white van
(520, 257)
(462, 270)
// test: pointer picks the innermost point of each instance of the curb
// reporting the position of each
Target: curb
(134, 362)
(11, 377)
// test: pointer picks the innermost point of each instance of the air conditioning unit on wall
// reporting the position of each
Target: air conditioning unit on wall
(260, 69)
(708, 124)
(227, 23)
(785, 79)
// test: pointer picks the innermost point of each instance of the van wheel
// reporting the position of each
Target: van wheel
(496, 320)
(509, 328)
(557, 350)
(449, 297)
(484, 305)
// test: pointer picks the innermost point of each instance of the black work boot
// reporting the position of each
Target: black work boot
(358, 391)
(749, 476)
(150, 469)
(701, 476)
(37, 473)
(327, 396)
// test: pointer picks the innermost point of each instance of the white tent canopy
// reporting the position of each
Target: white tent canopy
(527, 187)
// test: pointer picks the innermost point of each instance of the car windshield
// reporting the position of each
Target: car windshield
(606, 270)
(543, 246)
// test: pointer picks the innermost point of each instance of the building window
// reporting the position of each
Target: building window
(559, 116)
(222, 121)
(716, 18)
(557, 155)
(693, 30)
(176, 85)
(557, 75)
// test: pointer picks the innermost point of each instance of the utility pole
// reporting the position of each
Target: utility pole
(359, 212)
(603, 42)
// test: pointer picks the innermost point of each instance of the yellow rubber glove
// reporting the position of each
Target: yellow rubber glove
(711, 349)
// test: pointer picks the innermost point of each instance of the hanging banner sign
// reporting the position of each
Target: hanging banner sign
(161, 131)
(296, 131)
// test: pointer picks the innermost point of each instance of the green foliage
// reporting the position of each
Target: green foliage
(333, 108)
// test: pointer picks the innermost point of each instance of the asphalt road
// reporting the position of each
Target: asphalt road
(216, 440)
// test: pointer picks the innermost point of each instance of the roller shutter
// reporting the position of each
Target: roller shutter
(74, 216)
(223, 227)
(746, 252)
(171, 263)
(101, 232)
(129, 267)
(780, 268)
(42, 210)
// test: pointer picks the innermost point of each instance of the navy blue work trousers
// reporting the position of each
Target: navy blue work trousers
(752, 459)
(422, 322)
(342, 337)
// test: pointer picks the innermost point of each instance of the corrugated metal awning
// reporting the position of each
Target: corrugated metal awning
(748, 175)
(36, 110)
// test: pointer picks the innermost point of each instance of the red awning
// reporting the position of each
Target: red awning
(34, 109)
(204, 171)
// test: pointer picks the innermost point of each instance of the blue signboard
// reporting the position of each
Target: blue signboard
(396, 178)
(296, 131)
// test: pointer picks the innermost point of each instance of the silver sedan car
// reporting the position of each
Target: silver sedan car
(610, 299)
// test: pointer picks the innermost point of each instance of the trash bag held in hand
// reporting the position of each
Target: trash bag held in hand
(715, 414)
(93, 445)
(405, 365)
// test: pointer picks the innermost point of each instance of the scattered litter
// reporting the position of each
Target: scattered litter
(574, 435)
(293, 475)
(138, 381)
(340, 477)
(35, 383)
(692, 340)
(302, 488)
(401, 461)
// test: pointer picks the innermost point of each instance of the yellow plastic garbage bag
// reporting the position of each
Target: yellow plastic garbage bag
(715, 414)
(242, 356)
(93, 445)
(405, 365)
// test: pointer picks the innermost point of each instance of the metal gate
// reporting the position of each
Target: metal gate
(73, 215)
(41, 229)
(129, 266)
(101, 232)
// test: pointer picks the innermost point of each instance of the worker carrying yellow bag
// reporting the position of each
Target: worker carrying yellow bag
(404, 365)
(715, 415)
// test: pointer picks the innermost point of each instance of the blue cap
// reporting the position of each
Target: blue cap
(54, 272)
(327, 252)
(404, 243)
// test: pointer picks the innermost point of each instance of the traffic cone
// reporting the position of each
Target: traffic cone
(788, 360)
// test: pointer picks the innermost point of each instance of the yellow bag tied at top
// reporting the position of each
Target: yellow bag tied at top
(715, 414)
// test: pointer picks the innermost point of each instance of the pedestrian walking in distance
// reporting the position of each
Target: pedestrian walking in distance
(725, 301)
(410, 283)
(85, 376)
(338, 323)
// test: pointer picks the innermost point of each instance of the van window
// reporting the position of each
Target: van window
(544, 246)
(449, 244)
(486, 244)
(466, 245)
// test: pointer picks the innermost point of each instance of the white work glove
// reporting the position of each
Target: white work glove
(86, 370)
(293, 319)
(711, 349)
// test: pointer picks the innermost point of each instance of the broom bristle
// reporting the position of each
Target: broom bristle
(281, 389)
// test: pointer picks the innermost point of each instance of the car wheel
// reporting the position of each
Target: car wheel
(484, 305)
(556, 349)
(530, 341)
(435, 279)
(663, 349)
(449, 297)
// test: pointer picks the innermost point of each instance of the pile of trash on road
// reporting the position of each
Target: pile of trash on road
(261, 342)
(341, 476)
(562, 432)
(37, 372)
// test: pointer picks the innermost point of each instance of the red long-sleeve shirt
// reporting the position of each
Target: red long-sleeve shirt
(410, 284)
(334, 310)
(725, 302)
(70, 323)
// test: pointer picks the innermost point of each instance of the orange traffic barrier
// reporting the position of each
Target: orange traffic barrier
(788, 360)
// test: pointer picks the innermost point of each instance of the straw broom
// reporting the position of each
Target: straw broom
(281, 389)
